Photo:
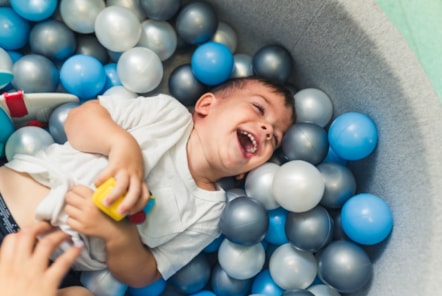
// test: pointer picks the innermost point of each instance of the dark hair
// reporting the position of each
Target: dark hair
(275, 86)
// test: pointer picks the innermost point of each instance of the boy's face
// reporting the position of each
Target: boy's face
(242, 128)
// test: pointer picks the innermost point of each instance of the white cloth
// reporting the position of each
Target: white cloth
(185, 218)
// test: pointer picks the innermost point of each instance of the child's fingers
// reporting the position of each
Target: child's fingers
(47, 245)
(63, 263)
(135, 197)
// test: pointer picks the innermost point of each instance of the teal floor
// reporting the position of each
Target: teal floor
(420, 22)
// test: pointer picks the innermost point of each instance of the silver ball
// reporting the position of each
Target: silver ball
(27, 140)
(35, 73)
(158, 36)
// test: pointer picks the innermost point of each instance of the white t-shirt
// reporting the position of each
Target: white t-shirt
(185, 218)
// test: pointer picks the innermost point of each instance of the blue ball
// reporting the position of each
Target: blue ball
(153, 289)
(353, 136)
(14, 30)
(112, 78)
(6, 131)
(276, 232)
(366, 219)
(83, 76)
(264, 284)
(212, 63)
(34, 10)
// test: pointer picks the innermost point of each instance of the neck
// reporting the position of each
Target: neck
(199, 165)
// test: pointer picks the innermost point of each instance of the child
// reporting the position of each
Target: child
(149, 144)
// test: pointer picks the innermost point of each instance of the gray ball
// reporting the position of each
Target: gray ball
(309, 231)
(273, 62)
(57, 120)
(305, 141)
(314, 106)
(345, 266)
(161, 10)
(242, 65)
(244, 221)
(158, 36)
(27, 140)
(233, 193)
(225, 285)
(340, 184)
(193, 276)
(197, 22)
(89, 45)
(53, 39)
(297, 292)
(35, 73)
(184, 86)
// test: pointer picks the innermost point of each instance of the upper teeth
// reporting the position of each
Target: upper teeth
(252, 139)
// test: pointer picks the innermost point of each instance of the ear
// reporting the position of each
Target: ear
(202, 106)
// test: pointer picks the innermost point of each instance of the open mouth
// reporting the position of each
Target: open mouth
(247, 141)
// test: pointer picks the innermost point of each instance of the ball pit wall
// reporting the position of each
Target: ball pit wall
(350, 50)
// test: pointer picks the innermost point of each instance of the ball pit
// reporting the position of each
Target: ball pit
(366, 76)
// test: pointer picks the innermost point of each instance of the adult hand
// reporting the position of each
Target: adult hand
(24, 261)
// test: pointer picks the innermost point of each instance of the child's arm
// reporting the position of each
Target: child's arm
(126, 256)
(90, 128)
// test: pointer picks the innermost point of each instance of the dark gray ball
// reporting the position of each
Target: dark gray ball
(273, 62)
(309, 231)
(345, 266)
(89, 45)
(298, 292)
(244, 221)
(197, 22)
(184, 86)
(225, 285)
(160, 10)
(35, 73)
(192, 277)
(305, 141)
(57, 119)
(340, 184)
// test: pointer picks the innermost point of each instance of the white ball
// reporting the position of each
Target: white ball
(27, 140)
(298, 186)
(259, 182)
(80, 15)
(140, 69)
(241, 262)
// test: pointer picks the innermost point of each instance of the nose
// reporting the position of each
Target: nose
(268, 130)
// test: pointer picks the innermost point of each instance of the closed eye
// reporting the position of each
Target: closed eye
(259, 108)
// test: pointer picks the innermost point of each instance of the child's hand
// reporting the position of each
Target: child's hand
(24, 262)
(126, 166)
(83, 215)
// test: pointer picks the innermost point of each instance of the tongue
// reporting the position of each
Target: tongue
(245, 143)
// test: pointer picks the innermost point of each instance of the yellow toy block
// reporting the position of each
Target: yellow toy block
(101, 193)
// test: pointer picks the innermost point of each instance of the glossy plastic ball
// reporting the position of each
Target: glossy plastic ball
(27, 140)
(34, 10)
(83, 76)
(323, 290)
(273, 62)
(112, 78)
(353, 135)
(5, 68)
(193, 276)
(140, 69)
(313, 106)
(298, 186)
(263, 284)
(80, 15)
(345, 266)
(244, 221)
(233, 193)
(276, 233)
(305, 141)
(161, 10)
(196, 22)
(212, 63)
(184, 86)
(153, 289)
(117, 28)
(242, 65)
(225, 285)
(102, 282)
(57, 120)
(309, 231)
(14, 30)
(291, 268)
(226, 35)
(340, 184)
(6, 131)
(53, 39)
(35, 73)
(258, 184)
(158, 36)
(239, 261)
(298, 292)
(133, 5)
(366, 219)
(88, 44)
